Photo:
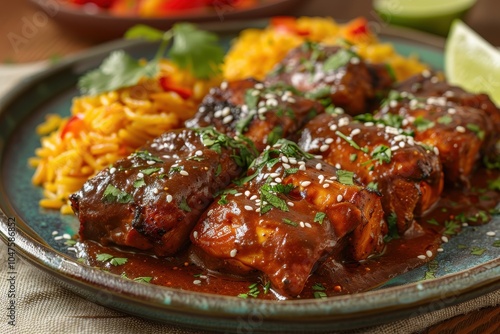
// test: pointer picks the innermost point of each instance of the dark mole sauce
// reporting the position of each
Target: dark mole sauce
(400, 255)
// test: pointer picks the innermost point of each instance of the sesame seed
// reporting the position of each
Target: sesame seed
(326, 185)
(290, 100)
(197, 282)
(140, 175)
(286, 166)
(59, 237)
(426, 73)
(226, 111)
(343, 121)
(72, 249)
(338, 110)
(305, 183)
(253, 197)
(278, 180)
(393, 104)
(112, 170)
(444, 238)
(394, 148)
(218, 114)
(55, 233)
(66, 236)
(247, 193)
(308, 225)
(328, 140)
(272, 102)
(355, 61)
(460, 129)
(257, 210)
(227, 119)
(321, 178)
(155, 191)
(274, 175)
(440, 250)
(261, 104)
(195, 234)
(302, 224)
(465, 224)
(150, 162)
(422, 257)
(402, 144)
(223, 85)
(318, 166)
(237, 194)
(292, 160)
(452, 111)
(169, 198)
(436, 150)
(284, 159)
(290, 203)
(428, 253)
(333, 127)
(183, 172)
(369, 124)
(198, 153)
(355, 132)
(233, 253)
(338, 166)
(491, 233)
(255, 93)
(323, 148)
(340, 198)
(248, 208)
(302, 167)
(262, 110)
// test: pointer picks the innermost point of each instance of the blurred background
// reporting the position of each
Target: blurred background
(34, 30)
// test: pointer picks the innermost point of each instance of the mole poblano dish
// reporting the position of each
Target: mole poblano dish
(309, 160)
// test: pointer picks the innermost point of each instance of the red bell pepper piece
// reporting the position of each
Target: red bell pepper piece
(169, 86)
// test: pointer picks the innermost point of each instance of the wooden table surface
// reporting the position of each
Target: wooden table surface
(26, 37)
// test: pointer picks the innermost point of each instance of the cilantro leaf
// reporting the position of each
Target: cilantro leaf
(145, 32)
(196, 50)
(103, 257)
(114, 195)
(392, 224)
(117, 71)
(143, 279)
(339, 59)
(345, 177)
(319, 217)
(118, 261)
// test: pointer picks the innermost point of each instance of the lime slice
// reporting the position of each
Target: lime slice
(471, 62)
(433, 16)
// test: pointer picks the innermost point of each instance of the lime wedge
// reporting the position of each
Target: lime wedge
(471, 62)
(434, 16)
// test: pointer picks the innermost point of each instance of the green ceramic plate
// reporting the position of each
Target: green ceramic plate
(461, 277)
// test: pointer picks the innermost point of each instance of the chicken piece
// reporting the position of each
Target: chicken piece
(334, 73)
(407, 175)
(152, 199)
(430, 85)
(459, 133)
(261, 113)
(290, 212)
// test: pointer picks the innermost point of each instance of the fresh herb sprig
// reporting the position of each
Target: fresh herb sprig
(192, 49)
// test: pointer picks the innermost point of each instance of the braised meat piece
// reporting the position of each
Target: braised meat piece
(431, 85)
(288, 213)
(152, 199)
(333, 73)
(261, 113)
(459, 133)
(407, 175)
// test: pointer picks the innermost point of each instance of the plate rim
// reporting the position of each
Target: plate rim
(475, 281)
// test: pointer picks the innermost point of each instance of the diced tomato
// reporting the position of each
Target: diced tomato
(74, 125)
(169, 86)
(124, 7)
(156, 8)
(358, 27)
(287, 24)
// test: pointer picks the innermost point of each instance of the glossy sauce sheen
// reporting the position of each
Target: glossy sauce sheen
(400, 255)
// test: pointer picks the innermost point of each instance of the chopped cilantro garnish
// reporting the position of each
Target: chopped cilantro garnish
(269, 200)
(477, 251)
(289, 222)
(494, 184)
(70, 242)
(339, 59)
(184, 205)
(143, 279)
(496, 243)
(145, 155)
(350, 141)
(353, 157)
(422, 123)
(223, 200)
(372, 186)
(382, 154)
(149, 171)
(433, 221)
(319, 217)
(392, 225)
(475, 128)
(139, 183)
(114, 195)
(446, 119)
(275, 134)
(345, 177)
(451, 227)
(432, 269)
(118, 261)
